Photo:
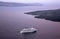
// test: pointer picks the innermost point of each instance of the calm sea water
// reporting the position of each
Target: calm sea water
(13, 20)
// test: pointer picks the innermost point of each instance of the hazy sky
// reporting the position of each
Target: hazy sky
(33, 1)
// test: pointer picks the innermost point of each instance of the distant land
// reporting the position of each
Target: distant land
(10, 4)
(52, 15)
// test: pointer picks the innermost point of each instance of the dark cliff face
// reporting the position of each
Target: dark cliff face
(53, 15)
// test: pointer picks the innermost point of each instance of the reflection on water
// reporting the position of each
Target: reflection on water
(28, 36)
(13, 20)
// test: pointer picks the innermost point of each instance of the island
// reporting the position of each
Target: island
(53, 15)
(14, 4)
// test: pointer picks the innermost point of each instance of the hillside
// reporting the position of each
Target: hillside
(53, 15)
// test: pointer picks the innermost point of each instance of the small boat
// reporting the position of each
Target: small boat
(28, 30)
